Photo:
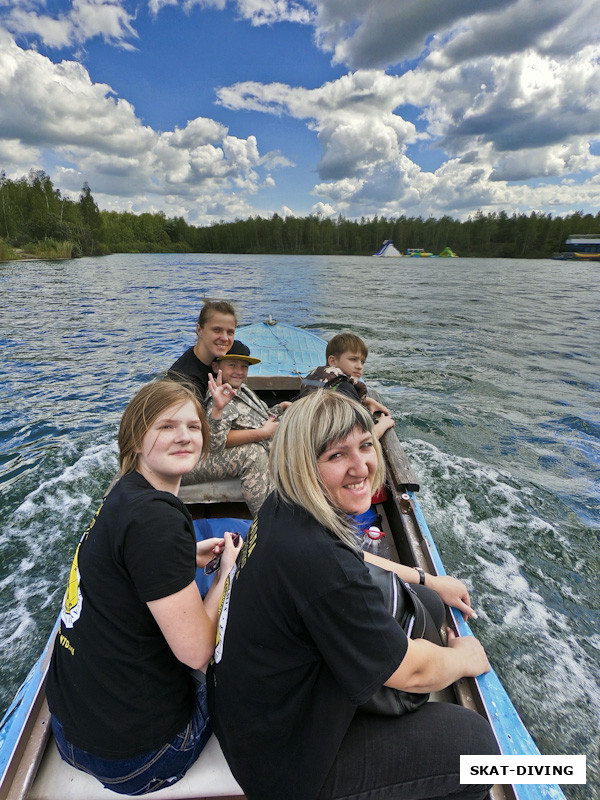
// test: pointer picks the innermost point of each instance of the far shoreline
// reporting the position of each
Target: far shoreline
(30, 257)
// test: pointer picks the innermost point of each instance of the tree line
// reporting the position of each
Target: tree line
(36, 219)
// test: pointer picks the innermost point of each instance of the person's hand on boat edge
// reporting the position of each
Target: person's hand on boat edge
(453, 592)
(450, 590)
(381, 417)
(222, 393)
(383, 423)
(475, 657)
(374, 405)
(427, 667)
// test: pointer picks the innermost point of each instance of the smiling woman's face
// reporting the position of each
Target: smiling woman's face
(347, 468)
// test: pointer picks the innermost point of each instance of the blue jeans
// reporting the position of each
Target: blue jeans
(148, 772)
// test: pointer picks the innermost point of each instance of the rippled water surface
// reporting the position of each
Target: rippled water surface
(492, 370)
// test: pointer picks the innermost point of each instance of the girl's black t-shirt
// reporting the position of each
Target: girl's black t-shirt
(114, 683)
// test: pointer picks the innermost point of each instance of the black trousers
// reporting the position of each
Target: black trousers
(435, 609)
(413, 757)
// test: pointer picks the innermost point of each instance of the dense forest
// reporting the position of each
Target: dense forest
(36, 220)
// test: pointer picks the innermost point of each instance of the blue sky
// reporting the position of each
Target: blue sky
(211, 109)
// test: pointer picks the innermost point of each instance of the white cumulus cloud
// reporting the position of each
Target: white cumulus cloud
(450, 106)
(382, 33)
(98, 138)
(257, 12)
(496, 89)
(74, 25)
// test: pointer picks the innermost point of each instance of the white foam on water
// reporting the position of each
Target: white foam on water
(25, 621)
(51, 491)
(38, 543)
(483, 524)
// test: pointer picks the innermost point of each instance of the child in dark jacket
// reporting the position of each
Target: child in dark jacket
(346, 355)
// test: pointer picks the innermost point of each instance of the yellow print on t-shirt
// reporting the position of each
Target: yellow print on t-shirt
(247, 548)
(64, 642)
(73, 599)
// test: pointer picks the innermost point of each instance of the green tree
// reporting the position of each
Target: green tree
(90, 228)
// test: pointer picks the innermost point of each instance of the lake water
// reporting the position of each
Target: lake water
(491, 368)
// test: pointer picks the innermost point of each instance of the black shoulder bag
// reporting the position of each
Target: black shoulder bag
(412, 616)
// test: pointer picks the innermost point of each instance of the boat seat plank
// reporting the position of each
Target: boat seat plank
(228, 490)
(209, 777)
(224, 491)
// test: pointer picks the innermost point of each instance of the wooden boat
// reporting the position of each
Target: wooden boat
(30, 766)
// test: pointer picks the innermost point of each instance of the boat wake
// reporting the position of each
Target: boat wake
(36, 548)
(540, 630)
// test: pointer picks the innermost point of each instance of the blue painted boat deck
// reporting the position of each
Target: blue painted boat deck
(283, 349)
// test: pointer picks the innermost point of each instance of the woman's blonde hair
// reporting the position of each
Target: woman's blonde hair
(149, 402)
(308, 428)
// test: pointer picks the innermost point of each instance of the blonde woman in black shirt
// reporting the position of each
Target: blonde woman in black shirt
(305, 638)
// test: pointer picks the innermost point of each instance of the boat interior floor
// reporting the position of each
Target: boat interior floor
(210, 777)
